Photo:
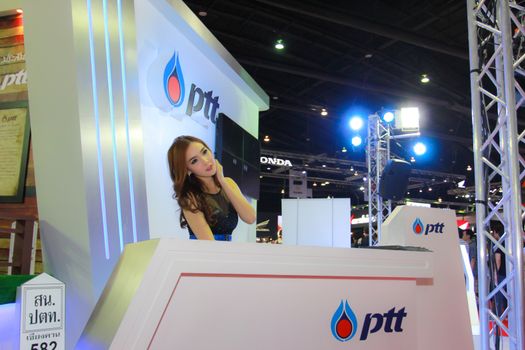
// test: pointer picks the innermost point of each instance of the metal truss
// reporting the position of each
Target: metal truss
(347, 167)
(496, 36)
(377, 155)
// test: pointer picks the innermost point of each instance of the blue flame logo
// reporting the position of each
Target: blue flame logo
(418, 226)
(174, 81)
(344, 322)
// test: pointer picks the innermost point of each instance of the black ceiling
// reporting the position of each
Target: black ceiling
(347, 57)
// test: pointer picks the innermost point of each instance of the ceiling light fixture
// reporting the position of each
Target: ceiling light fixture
(266, 138)
(324, 112)
(279, 44)
(425, 79)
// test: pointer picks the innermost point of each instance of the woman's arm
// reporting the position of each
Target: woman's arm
(234, 194)
(198, 225)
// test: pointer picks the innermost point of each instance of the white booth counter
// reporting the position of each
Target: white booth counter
(171, 293)
(176, 294)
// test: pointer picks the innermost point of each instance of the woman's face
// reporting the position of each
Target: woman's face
(200, 160)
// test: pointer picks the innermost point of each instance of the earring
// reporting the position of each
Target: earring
(189, 173)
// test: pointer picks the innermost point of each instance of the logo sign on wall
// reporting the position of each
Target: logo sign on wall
(297, 185)
(275, 161)
(174, 81)
(344, 323)
(199, 104)
(419, 228)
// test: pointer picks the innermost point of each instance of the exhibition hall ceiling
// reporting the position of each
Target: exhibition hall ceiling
(353, 57)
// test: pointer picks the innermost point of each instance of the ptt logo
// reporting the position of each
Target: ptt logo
(344, 323)
(174, 89)
(419, 227)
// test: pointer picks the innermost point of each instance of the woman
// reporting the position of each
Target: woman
(210, 203)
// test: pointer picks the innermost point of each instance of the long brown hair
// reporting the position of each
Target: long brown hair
(189, 190)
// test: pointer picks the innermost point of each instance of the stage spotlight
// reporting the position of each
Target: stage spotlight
(356, 141)
(408, 119)
(420, 148)
(388, 116)
(356, 123)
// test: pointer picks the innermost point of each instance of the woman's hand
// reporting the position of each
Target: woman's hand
(219, 172)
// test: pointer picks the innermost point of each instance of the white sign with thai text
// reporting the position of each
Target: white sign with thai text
(41, 302)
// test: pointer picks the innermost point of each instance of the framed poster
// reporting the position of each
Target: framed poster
(14, 147)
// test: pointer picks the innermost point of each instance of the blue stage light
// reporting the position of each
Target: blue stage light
(388, 117)
(356, 123)
(357, 141)
(420, 148)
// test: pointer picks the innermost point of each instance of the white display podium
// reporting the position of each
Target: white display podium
(175, 294)
(323, 222)
(436, 230)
